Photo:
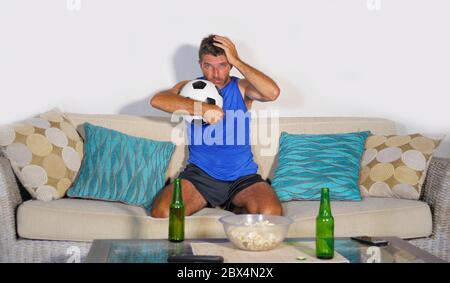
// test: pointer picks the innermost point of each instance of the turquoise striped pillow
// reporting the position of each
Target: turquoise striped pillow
(120, 167)
(306, 163)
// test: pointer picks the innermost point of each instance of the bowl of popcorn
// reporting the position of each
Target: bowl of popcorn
(256, 232)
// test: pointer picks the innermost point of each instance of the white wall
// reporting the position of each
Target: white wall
(330, 57)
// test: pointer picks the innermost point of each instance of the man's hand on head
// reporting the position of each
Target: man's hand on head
(228, 46)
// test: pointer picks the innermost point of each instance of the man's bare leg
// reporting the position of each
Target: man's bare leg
(193, 200)
(258, 198)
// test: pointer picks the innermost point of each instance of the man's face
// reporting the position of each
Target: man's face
(216, 69)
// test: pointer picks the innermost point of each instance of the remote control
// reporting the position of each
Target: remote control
(371, 240)
(195, 258)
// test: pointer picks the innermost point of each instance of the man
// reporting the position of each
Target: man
(220, 174)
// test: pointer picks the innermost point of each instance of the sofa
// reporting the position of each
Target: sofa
(49, 231)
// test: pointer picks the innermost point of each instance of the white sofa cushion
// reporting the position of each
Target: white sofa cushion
(86, 220)
(371, 216)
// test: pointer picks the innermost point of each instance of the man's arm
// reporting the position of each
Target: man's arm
(257, 85)
(170, 101)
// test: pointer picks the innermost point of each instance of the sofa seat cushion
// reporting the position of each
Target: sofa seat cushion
(371, 216)
(86, 220)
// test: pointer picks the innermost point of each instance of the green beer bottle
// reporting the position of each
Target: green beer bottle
(325, 227)
(176, 214)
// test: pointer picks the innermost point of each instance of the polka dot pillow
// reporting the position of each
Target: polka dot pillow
(45, 153)
(396, 166)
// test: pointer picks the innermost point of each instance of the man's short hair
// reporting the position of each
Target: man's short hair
(207, 47)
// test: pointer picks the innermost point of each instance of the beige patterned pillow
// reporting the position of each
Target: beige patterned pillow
(395, 166)
(45, 153)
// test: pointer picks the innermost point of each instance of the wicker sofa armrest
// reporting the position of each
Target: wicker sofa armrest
(436, 193)
(10, 198)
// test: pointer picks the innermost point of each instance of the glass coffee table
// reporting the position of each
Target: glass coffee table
(158, 251)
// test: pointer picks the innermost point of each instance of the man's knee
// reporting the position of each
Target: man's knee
(274, 209)
(159, 212)
(259, 208)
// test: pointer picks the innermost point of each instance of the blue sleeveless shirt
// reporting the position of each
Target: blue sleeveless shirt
(223, 150)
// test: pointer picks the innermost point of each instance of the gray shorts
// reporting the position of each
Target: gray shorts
(216, 192)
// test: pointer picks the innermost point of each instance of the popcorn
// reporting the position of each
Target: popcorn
(258, 236)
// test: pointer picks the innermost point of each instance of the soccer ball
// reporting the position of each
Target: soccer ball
(204, 91)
